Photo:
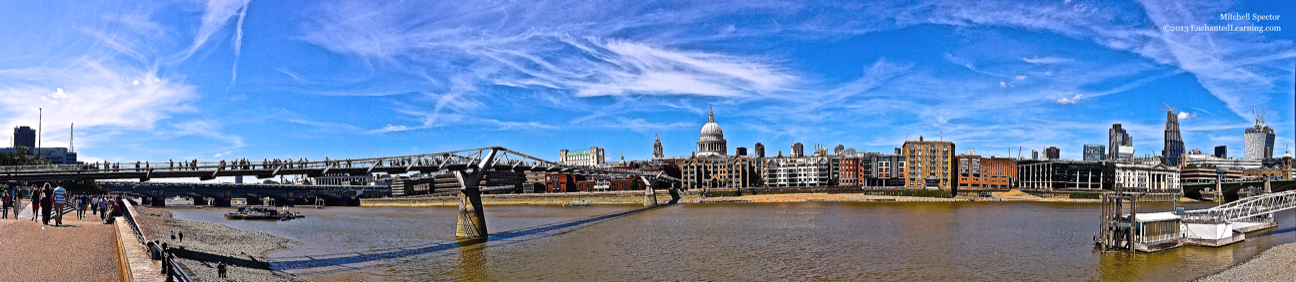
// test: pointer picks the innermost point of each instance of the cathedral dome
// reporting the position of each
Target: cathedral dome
(711, 140)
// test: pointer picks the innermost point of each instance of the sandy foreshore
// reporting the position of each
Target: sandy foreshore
(637, 198)
(1274, 264)
(206, 244)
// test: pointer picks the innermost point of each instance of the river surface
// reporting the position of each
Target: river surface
(743, 242)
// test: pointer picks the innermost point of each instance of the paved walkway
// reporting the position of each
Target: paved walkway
(80, 250)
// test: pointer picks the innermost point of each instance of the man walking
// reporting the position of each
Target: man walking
(60, 200)
(4, 205)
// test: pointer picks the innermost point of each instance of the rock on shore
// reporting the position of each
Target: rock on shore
(1274, 264)
(206, 244)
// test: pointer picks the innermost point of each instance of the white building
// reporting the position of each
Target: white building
(1157, 178)
(793, 171)
(1203, 160)
(593, 156)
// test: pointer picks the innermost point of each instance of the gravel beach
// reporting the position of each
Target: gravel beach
(1274, 264)
(205, 244)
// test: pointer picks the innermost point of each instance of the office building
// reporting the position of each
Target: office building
(1060, 175)
(1052, 153)
(1174, 145)
(1258, 141)
(1095, 153)
(1221, 151)
(24, 137)
(1120, 146)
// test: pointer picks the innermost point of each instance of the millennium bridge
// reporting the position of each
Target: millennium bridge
(468, 166)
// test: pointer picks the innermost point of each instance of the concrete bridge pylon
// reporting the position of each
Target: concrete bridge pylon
(650, 195)
(472, 219)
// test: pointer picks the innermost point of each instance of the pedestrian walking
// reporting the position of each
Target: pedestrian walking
(181, 236)
(35, 203)
(4, 205)
(47, 204)
(60, 200)
(82, 202)
(172, 235)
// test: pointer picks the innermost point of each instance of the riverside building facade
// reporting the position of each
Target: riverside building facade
(992, 173)
(929, 165)
(1060, 175)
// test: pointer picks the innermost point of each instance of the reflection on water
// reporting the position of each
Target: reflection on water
(789, 241)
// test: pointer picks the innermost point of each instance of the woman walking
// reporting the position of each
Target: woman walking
(35, 203)
(47, 204)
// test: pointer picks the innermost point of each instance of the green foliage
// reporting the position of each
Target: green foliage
(517, 187)
(21, 158)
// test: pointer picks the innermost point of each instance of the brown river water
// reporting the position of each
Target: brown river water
(976, 241)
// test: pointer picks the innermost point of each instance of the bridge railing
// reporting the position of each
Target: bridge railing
(1245, 208)
(171, 267)
(444, 160)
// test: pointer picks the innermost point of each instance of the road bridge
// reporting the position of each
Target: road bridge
(468, 167)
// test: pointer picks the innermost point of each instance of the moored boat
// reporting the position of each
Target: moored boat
(263, 213)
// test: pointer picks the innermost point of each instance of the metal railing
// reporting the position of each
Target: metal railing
(1246, 207)
(172, 268)
(492, 157)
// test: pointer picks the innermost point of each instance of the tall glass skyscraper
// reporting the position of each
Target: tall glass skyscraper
(1174, 145)
(1119, 143)
(1095, 152)
(1259, 141)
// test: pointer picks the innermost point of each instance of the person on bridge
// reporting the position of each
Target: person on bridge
(60, 200)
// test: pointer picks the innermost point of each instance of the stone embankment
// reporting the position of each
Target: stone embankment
(636, 197)
(1274, 264)
(207, 244)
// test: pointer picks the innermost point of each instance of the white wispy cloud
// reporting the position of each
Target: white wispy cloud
(1047, 60)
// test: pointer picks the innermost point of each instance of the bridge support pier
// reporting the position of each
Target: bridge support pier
(472, 219)
(650, 195)
(157, 202)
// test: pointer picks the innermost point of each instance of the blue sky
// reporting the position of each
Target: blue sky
(260, 79)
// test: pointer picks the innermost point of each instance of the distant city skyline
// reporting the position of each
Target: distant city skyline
(239, 79)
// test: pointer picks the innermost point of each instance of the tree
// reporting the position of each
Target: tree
(517, 187)
(21, 157)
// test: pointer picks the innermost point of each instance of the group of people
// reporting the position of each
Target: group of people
(51, 203)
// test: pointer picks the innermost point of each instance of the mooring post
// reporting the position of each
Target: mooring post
(650, 196)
